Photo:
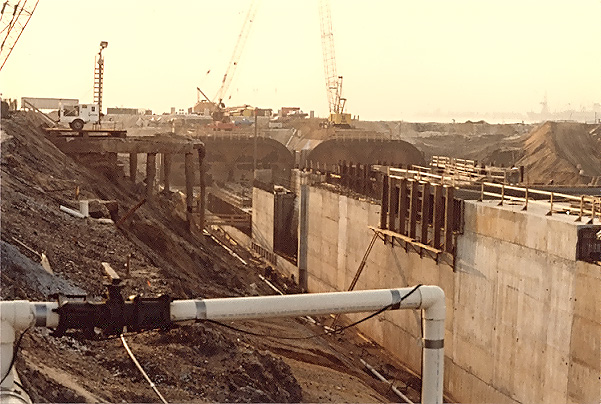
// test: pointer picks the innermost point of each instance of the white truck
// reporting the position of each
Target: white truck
(78, 115)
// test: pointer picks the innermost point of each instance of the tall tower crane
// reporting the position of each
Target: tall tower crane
(336, 102)
(13, 20)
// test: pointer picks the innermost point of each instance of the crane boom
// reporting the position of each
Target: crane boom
(333, 81)
(12, 30)
(329, 54)
(231, 68)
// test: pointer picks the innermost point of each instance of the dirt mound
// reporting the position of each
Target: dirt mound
(562, 153)
(201, 362)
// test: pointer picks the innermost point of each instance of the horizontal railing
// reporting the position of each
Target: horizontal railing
(469, 171)
(366, 180)
(582, 205)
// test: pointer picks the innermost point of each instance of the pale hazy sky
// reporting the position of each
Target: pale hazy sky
(399, 59)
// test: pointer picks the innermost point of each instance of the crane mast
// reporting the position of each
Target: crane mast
(336, 102)
(237, 53)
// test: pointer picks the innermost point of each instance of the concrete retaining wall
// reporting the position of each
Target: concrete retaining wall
(263, 231)
(263, 218)
(523, 317)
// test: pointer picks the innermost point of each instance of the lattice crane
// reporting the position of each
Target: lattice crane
(336, 102)
(13, 20)
(233, 64)
(217, 105)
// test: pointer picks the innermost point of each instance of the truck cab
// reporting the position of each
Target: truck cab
(78, 115)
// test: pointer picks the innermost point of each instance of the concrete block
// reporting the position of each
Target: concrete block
(316, 198)
(328, 229)
(583, 384)
(585, 345)
(555, 363)
(531, 325)
(529, 379)
(587, 284)
(559, 329)
(505, 359)
(330, 205)
(474, 315)
(328, 275)
(561, 290)
(470, 388)
(562, 239)
(342, 241)
(533, 231)
(475, 359)
(508, 295)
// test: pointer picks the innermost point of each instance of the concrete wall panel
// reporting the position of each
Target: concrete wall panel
(515, 300)
(263, 218)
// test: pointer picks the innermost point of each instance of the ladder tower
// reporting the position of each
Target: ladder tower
(98, 77)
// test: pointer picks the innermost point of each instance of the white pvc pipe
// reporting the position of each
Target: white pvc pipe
(429, 298)
(383, 379)
(84, 208)
(72, 212)
(15, 317)
(237, 308)
(19, 315)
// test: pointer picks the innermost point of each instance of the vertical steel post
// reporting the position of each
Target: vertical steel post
(413, 209)
(438, 212)
(449, 219)
(425, 213)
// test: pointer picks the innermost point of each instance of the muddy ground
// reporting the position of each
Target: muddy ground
(202, 362)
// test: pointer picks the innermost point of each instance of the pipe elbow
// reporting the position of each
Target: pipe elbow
(433, 302)
(18, 313)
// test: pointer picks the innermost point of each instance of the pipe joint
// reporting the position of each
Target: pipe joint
(433, 302)
(18, 313)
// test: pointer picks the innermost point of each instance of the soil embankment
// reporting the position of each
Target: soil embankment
(198, 362)
(562, 153)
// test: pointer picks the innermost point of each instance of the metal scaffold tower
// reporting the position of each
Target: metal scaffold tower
(13, 20)
(98, 76)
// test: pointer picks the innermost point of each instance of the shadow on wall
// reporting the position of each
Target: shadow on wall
(366, 152)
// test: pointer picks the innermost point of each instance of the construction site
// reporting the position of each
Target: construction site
(266, 254)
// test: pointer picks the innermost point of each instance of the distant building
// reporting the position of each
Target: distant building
(122, 111)
(287, 110)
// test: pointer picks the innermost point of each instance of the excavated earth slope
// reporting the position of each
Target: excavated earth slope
(197, 362)
(562, 152)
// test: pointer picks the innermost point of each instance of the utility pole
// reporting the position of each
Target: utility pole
(98, 77)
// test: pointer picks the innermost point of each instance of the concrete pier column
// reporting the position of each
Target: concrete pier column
(189, 171)
(133, 166)
(151, 173)
(167, 172)
(201, 199)
(303, 231)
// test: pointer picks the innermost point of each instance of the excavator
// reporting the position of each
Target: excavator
(221, 121)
